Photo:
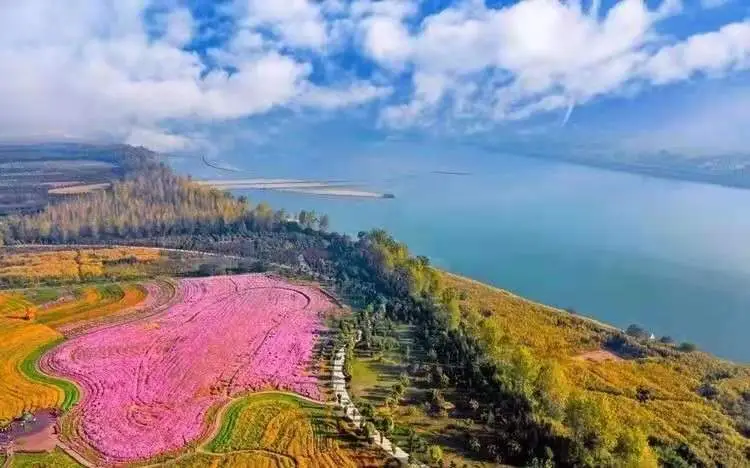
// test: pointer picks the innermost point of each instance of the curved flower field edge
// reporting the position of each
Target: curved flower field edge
(25, 338)
(226, 336)
(304, 432)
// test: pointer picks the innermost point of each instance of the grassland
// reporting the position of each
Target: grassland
(289, 430)
(54, 459)
(674, 397)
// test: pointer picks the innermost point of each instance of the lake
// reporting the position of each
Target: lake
(671, 256)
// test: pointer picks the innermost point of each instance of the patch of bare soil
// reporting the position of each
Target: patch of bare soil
(43, 441)
(599, 355)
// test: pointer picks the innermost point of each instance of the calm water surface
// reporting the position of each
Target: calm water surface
(669, 255)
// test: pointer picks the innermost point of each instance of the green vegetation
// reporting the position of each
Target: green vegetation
(685, 403)
(54, 459)
(300, 432)
(29, 368)
(232, 460)
(364, 376)
(155, 202)
(41, 296)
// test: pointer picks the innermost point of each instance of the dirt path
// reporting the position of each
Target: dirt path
(75, 455)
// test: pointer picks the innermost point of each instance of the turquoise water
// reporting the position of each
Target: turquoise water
(671, 256)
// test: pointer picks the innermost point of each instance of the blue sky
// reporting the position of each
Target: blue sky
(188, 75)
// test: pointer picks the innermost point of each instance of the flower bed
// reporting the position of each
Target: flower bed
(149, 384)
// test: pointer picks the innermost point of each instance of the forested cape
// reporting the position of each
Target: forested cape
(534, 416)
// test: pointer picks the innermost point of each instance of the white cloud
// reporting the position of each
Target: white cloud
(179, 27)
(107, 73)
(537, 56)
(158, 140)
(102, 75)
(334, 98)
(386, 40)
(299, 23)
(717, 53)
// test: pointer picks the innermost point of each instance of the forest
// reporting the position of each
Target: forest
(531, 411)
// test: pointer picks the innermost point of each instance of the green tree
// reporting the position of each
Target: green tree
(324, 223)
(370, 432)
(687, 347)
(591, 432)
(386, 425)
(435, 454)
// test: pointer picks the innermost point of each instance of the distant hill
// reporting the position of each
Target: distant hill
(727, 169)
(32, 175)
(730, 170)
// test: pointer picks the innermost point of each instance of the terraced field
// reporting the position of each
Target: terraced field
(19, 340)
(287, 431)
(149, 384)
(27, 331)
(93, 303)
(143, 372)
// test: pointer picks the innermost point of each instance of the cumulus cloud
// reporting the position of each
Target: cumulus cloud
(713, 53)
(298, 23)
(127, 69)
(537, 56)
(104, 75)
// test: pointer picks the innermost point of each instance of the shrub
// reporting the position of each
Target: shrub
(687, 347)
(435, 453)
(637, 332)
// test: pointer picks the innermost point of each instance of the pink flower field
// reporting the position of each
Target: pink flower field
(149, 384)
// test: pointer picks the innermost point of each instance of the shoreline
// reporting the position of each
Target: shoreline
(551, 308)
(334, 188)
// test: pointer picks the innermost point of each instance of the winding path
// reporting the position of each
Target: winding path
(352, 413)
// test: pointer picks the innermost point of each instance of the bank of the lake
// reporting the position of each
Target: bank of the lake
(669, 255)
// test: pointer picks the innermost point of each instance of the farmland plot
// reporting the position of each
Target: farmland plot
(300, 433)
(149, 384)
(28, 331)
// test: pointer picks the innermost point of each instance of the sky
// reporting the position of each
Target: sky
(185, 75)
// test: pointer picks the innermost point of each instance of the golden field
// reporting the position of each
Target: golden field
(19, 339)
(69, 265)
(297, 432)
(673, 411)
(27, 330)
